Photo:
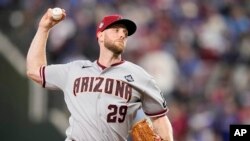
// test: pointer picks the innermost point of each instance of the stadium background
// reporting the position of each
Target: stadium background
(198, 50)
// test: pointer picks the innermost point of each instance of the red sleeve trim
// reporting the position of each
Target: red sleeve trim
(42, 75)
(159, 114)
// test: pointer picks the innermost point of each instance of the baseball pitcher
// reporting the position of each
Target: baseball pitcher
(102, 96)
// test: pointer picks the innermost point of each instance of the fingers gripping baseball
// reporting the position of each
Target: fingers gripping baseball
(49, 19)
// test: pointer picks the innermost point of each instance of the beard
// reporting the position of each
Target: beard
(116, 46)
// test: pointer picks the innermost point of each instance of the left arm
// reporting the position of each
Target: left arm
(163, 128)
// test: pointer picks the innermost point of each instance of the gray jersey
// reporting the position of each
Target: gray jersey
(103, 101)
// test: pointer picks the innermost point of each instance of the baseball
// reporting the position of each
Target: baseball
(57, 13)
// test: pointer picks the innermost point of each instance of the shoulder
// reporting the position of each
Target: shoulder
(133, 66)
(80, 63)
(138, 70)
(69, 65)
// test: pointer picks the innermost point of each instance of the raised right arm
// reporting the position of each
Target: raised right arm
(36, 57)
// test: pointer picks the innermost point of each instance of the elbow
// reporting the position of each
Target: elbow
(29, 74)
(34, 75)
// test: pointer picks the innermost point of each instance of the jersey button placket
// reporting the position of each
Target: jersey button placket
(99, 114)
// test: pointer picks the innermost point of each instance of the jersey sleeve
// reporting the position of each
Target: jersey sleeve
(54, 76)
(153, 102)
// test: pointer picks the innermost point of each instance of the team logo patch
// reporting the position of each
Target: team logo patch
(129, 78)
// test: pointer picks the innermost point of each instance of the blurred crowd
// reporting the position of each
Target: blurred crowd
(198, 51)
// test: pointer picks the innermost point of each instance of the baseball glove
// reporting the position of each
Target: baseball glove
(142, 131)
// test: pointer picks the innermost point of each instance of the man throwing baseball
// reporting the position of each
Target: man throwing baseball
(102, 96)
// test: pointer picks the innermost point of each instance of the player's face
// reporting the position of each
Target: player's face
(115, 38)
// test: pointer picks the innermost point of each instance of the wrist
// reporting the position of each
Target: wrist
(43, 29)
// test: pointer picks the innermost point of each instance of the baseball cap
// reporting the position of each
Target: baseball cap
(110, 20)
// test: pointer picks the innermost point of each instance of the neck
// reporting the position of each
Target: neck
(108, 58)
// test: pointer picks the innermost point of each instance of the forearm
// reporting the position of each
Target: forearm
(163, 128)
(36, 56)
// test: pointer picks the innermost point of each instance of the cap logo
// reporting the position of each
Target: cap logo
(101, 25)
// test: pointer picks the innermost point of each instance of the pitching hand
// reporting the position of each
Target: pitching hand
(47, 21)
